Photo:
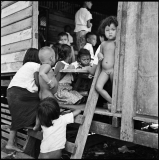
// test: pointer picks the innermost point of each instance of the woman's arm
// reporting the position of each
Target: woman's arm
(89, 24)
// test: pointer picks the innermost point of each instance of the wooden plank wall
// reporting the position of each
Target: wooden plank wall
(57, 21)
(16, 33)
(147, 89)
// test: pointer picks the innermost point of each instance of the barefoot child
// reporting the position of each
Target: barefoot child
(47, 80)
(91, 40)
(64, 39)
(22, 96)
(54, 128)
(65, 94)
(107, 50)
(84, 61)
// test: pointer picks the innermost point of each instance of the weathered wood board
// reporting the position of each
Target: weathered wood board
(19, 23)
(147, 86)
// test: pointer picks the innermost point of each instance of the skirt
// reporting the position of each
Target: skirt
(65, 95)
(23, 106)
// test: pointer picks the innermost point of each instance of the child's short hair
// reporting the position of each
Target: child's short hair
(106, 22)
(89, 34)
(56, 47)
(83, 52)
(61, 34)
(45, 55)
(67, 27)
(31, 55)
(48, 110)
(64, 52)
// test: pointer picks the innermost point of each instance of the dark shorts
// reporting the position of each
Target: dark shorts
(22, 105)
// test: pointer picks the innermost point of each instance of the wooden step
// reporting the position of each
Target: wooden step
(145, 118)
(100, 111)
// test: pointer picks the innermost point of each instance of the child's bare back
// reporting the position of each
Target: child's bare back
(45, 90)
(108, 50)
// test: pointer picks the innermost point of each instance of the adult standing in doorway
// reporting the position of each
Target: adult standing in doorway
(82, 23)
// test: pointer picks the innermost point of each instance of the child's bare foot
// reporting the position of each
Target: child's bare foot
(14, 148)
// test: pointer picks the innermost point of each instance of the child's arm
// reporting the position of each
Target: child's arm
(90, 69)
(76, 112)
(44, 69)
(71, 66)
(73, 54)
(58, 68)
(89, 24)
(36, 77)
(100, 55)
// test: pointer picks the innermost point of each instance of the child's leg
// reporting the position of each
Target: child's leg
(10, 144)
(37, 124)
(111, 77)
(102, 79)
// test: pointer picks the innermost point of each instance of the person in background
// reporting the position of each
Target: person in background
(53, 128)
(82, 23)
(84, 62)
(47, 80)
(67, 29)
(107, 53)
(22, 96)
(64, 39)
(91, 40)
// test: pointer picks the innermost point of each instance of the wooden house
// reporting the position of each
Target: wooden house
(135, 84)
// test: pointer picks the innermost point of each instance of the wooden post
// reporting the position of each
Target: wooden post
(35, 24)
(116, 65)
(130, 71)
(88, 113)
(121, 57)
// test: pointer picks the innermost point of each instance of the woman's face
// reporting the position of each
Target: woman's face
(85, 60)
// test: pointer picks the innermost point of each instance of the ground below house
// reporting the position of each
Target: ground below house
(101, 147)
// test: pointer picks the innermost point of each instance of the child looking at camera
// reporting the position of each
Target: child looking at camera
(91, 40)
(107, 53)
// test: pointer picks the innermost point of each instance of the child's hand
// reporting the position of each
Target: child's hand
(100, 56)
(51, 85)
(71, 67)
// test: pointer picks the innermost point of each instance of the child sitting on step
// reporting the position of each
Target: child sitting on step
(65, 94)
(53, 127)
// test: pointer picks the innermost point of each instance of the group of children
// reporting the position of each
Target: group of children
(55, 86)
(60, 85)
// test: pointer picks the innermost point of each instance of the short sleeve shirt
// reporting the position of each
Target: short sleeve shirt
(89, 47)
(24, 77)
(54, 137)
(81, 18)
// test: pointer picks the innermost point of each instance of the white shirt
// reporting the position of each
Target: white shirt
(89, 47)
(24, 77)
(81, 18)
(54, 137)
(96, 56)
(70, 38)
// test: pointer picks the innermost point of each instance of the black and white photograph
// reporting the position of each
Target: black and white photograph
(79, 79)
